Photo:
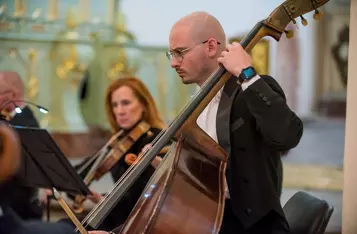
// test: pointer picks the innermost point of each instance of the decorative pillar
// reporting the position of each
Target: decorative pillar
(113, 8)
(52, 9)
(84, 9)
(349, 203)
(20, 8)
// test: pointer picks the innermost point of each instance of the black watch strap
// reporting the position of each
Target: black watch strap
(247, 74)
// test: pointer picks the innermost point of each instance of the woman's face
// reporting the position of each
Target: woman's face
(126, 107)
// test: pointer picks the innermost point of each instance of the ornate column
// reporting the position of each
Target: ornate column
(349, 203)
(20, 7)
(52, 9)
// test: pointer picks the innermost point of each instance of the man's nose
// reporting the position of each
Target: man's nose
(174, 62)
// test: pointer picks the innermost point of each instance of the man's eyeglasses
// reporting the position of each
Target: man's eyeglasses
(178, 54)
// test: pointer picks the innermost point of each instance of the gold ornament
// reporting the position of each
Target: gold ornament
(119, 67)
(70, 19)
(32, 55)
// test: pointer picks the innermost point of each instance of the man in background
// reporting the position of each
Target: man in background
(25, 202)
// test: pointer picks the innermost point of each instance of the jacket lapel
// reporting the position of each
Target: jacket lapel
(224, 111)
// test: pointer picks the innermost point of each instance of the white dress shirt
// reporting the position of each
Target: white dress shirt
(207, 119)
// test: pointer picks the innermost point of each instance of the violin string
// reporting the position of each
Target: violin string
(99, 152)
(128, 171)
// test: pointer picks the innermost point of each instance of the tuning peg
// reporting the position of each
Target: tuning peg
(317, 15)
(289, 33)
(303, 20)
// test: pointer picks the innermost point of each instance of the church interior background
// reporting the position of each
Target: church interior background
(60, 47)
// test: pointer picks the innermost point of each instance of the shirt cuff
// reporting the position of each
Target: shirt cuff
(246, 84)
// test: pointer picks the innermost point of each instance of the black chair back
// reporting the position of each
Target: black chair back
(307, 214)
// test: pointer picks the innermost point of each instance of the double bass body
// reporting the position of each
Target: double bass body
(186, 193)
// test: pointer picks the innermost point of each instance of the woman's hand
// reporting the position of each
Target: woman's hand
(156, 162)
(95, 198)
(44, 199)
(130, 159)
(145, 148)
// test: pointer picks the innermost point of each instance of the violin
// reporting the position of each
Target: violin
(186, 193)
(98, 165)
(10, 153)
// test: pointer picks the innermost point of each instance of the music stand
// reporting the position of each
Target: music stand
(45, 166)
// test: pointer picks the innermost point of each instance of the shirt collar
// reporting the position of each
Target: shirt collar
(216, 98)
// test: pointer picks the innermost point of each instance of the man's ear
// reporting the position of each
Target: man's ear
(212, 48)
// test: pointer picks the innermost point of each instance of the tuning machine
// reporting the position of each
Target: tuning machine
(289, 33)
(303, 20)
(317, 15)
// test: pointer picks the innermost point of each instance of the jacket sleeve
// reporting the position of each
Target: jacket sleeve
(277, 123)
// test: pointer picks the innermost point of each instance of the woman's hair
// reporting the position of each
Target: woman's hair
(151, 114)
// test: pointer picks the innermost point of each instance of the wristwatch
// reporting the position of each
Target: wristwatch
(246, 74)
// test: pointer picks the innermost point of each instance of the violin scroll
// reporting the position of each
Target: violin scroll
(10, 152)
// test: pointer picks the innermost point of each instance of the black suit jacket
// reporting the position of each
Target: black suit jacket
(261, 126)
(25, 201)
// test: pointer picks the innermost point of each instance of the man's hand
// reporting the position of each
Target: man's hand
(235, 59)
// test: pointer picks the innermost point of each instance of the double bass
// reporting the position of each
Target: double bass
(186, 193)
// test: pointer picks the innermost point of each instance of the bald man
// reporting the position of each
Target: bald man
(12, 94)
(25, 202)
(255, 125)
(260, 124)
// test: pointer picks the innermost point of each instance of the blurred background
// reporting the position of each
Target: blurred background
(58, 46)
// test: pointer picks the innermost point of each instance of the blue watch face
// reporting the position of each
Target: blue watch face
(249, 72)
